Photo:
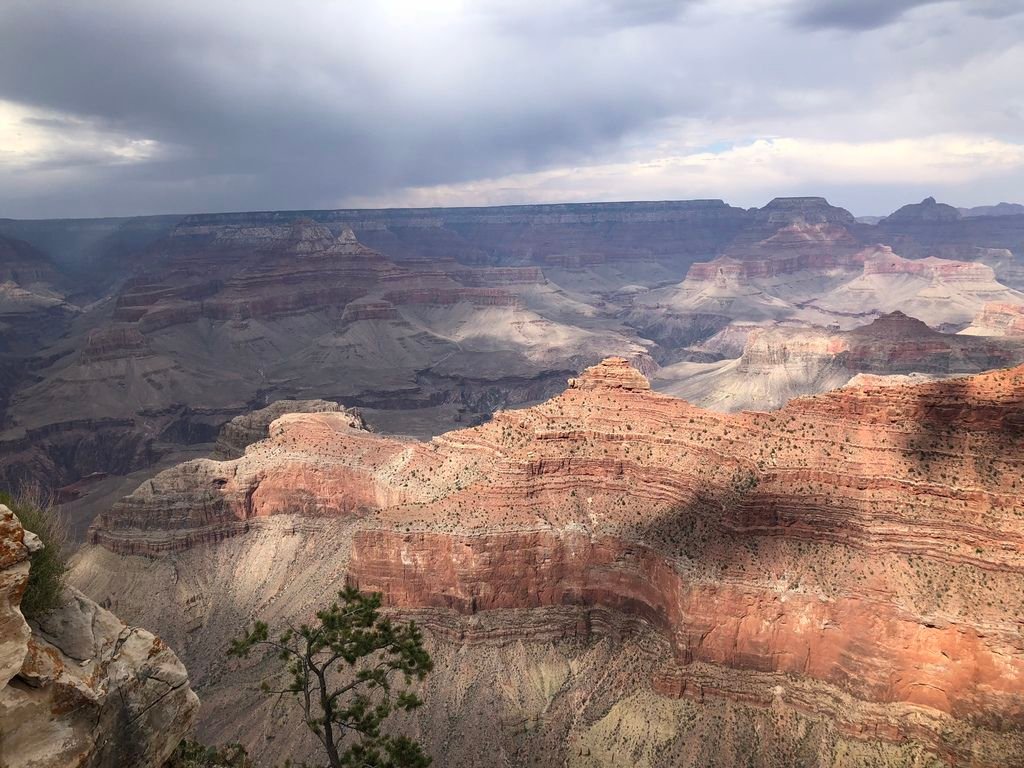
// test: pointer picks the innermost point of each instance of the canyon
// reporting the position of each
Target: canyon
(846, 566)
(665, 483)
(128, 343)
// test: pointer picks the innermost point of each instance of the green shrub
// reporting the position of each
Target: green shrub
(49, 565)
(192, 754)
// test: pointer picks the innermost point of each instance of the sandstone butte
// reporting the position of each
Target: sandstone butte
(78, 687)
(858, 553)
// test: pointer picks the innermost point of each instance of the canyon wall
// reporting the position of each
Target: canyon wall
(855, 555)
(429, 318)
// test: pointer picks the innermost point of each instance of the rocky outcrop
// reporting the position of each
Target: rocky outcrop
(810, 210)
(998, 319)
(860, 549)
(16, 546)
(899, 344)
(79, 687)
(614, 373)
(114, 342)
(242, 431)
(934, 229)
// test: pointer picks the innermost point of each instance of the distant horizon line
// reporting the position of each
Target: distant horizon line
(388, 209)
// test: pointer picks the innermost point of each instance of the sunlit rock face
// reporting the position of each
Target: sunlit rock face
(780, 362)
(242, 431)
(854, 556)
(998, 319)
(78, 687)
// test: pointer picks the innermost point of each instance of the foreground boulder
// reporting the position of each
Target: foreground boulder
(81, 688)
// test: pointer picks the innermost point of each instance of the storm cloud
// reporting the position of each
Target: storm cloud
(128, 106)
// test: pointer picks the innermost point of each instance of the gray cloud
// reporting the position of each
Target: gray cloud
(853, 14)
(996, 9)
(863, 15)
(151, 106)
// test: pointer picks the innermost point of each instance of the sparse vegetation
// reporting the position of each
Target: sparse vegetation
(192, 754)
(49, 565)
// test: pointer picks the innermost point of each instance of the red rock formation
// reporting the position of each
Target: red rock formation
(873, 651)
(242, 431)
(931, 267)
(793, 248)
(867, 541)
(614, 373)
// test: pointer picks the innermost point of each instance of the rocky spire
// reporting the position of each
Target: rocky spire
(611, 373)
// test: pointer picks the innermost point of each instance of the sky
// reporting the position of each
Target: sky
(128, 107)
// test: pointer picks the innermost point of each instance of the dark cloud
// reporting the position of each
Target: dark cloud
(853, 14)
(150, 106)
(233, 98)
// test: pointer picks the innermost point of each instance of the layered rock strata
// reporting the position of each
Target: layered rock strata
(223, 313)
(998, 319)
(242, 431)
(861, 550)
(779, 363)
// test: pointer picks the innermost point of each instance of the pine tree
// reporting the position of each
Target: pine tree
(342, 672)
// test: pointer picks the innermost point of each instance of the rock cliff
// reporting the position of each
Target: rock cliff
(998, 319)
(242, 431)
(779, 363)
(78, 687)
(854, 556)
